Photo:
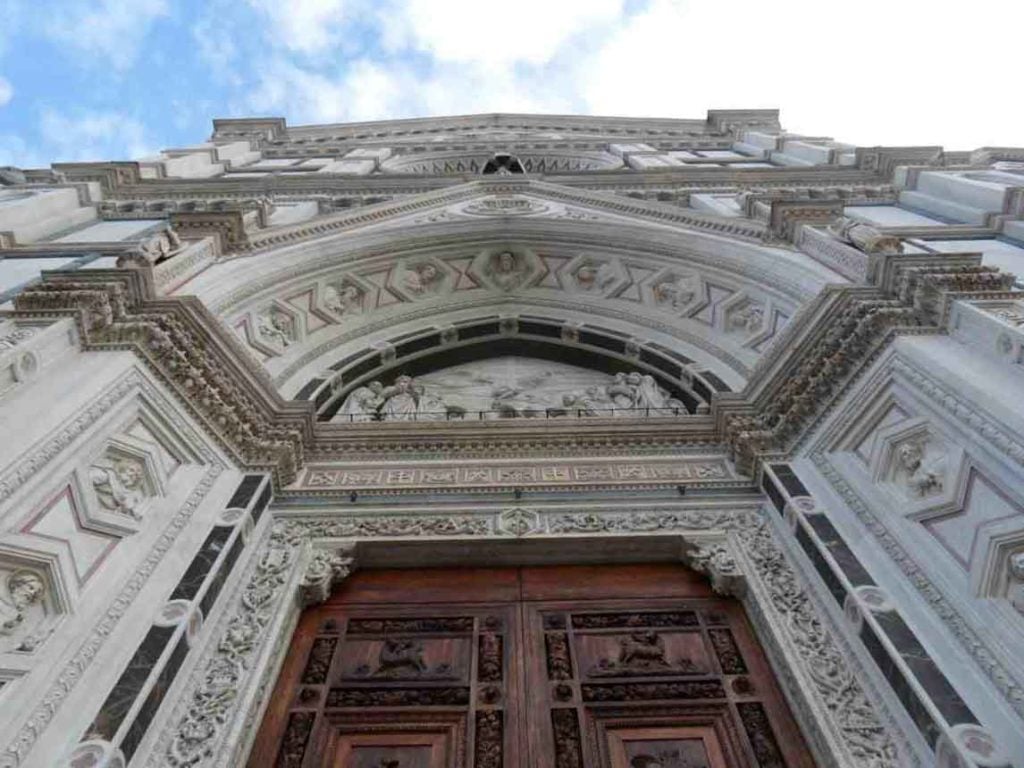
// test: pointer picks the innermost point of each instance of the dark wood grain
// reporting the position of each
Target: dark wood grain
(542, 667)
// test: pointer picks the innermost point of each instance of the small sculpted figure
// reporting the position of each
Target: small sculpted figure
(120, 485)
(24, 589)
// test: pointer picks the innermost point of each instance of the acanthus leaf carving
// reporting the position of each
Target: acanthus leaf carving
(325, 569)
(716, 561)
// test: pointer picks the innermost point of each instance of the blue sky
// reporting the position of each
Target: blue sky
(119, 79)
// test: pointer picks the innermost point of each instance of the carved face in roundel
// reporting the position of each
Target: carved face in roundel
(428, 273)
(909, 456)
(25, 588)
(506, 262)
(128, 472)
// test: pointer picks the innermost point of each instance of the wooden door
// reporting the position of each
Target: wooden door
(556, 667)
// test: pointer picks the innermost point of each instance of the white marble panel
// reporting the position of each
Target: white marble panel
(890, 216)
(109, 231)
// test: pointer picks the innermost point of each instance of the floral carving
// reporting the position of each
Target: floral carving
(727, 651)
(296, 736)
(759, 731)
(397, 697)
(490, 663)
(490, 738)
(325, 569)
(565, 726)
(559, 661)
(319, 661)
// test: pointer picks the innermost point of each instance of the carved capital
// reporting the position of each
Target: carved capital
(714, 558)
(325, 569)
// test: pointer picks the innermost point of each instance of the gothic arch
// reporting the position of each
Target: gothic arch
(714, 300)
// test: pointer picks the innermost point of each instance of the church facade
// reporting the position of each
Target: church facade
(513, 440)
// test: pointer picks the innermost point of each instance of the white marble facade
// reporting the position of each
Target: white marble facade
(147, 413)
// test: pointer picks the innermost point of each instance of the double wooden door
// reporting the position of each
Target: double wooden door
(554, 667)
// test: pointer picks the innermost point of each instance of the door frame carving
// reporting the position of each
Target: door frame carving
(299, 559)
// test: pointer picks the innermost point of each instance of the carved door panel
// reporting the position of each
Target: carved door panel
(399, 688)
(611, 667)
(652, 684)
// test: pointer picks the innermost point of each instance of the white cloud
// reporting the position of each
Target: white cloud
(307, 26)
(93, 135)
(106, 30)
(6, 90)
(492, 34)
(845, 74)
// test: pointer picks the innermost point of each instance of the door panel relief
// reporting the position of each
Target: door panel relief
(665, 682)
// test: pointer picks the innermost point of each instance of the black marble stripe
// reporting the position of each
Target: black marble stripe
(154, 699)
(701, 389)
(715, 381)
(842, 554)
(261, 503)
(244, 492)
(308, 389)
(832, 581)
(936, 684)
(202, 564)
(769, 487)
(911, 701)
(223, 571)
(789, 480)
(417, 345)
(131, 682)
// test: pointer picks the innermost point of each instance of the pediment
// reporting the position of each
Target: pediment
(502, 203)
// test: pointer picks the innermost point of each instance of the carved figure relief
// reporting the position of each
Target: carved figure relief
(510, 387)
(922, 474)
(21, 610)
(343, 300)
(277, 327)
(747, 319)
(595, 277)
(675, 292)
(864, 237)
(160, 246)
(507, 270)
(642, 653)
(421, 279)
(1015, 593)
(402, 659)
(121, 484)
(405, 400)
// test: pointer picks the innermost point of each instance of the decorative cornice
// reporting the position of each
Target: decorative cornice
(812, 362)
(178, 337)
